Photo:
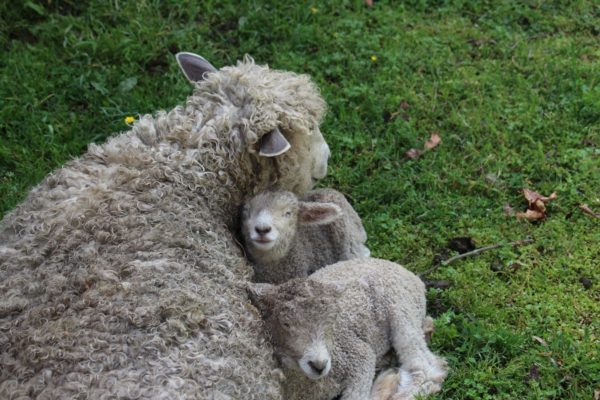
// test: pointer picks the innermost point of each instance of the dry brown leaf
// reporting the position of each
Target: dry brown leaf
(413, 154)
(433, 141)
(586, 209)
(369, 3)
(540, 340)
(532, 196)
(531, 215)
(508, 210)
(538, 205)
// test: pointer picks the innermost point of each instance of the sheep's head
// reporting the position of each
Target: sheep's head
(270, 221)
(275, 114)
(300, 315)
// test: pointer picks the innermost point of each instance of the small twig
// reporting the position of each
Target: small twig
(587, 210)
(475, 252)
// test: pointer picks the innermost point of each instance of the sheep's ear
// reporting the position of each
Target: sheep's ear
(261, 295)
(273, 144)
(193, 66)
(315, 213)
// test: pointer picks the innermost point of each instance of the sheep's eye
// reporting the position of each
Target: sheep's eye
(286, 325)
(288, 214)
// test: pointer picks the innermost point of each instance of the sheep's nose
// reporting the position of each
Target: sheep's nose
(262, 230)
(318, 366)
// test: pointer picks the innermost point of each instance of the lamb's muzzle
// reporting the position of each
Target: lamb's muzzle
(316, 362)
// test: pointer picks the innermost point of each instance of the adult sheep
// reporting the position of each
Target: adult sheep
(119, 274)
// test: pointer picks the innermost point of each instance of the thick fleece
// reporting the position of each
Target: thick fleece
(119, 274)
(331, 329)
(300, 243)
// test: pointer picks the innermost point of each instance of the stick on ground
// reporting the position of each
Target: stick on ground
(475, 252)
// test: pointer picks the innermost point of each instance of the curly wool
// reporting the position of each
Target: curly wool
(119, 274)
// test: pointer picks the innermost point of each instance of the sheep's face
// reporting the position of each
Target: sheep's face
(305, 163)
(270, 222)
(279, 113)
(300, 315)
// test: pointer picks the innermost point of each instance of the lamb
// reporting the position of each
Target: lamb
(120, 275)
(331, 329)
(286, 237)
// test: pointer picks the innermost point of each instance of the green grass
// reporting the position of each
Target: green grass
(513, 89)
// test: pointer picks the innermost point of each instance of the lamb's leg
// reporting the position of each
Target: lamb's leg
(362, 371)
(422, 371)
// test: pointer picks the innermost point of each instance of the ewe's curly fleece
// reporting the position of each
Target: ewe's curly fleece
(119, 275)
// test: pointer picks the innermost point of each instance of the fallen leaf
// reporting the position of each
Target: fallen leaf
(369, 3)
(586, 209)
(433, 141)
(532, 196)
(597, 394)
(413, 154)
(531, 215)
(540, 340)
(536, 205)
(508, 210)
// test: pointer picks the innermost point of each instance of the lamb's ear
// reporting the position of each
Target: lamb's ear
(273, 144)
(193, 66)
(315, 213)
(261, 295)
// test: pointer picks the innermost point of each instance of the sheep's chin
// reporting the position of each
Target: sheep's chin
(263, 246)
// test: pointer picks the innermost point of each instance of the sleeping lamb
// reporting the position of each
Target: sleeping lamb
(286, 237)
(332, 328)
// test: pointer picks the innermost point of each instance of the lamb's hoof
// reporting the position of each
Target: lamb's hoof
(386, 384)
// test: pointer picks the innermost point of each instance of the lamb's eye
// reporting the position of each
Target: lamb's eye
(286, 325)
(287, 214)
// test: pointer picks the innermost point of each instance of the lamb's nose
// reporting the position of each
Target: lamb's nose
(262, 230)
(318, 366)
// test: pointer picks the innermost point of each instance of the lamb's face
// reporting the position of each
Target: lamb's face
(269, 223)
(302, 326)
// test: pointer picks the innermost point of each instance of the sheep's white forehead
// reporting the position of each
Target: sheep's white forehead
(270, 202)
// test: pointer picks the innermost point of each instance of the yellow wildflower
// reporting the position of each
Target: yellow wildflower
(373, 58)
(129, 119)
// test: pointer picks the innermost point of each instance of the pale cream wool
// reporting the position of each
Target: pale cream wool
(119, 274)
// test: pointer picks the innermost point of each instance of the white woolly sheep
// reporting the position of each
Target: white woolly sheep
(120, 276)
(331, 329)
(286, 237)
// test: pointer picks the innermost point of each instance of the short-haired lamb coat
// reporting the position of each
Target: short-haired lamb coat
(119, 274)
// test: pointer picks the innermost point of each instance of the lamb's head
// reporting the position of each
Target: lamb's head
(274, 114)
(270, 221)
(300, 316)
